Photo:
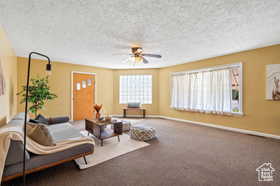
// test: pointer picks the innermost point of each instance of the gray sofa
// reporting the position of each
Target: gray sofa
(13, 164)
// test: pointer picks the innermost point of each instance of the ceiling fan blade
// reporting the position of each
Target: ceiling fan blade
(152, 55)
(145, 60)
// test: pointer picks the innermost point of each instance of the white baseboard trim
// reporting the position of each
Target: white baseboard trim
(136, 116)
(243, 131)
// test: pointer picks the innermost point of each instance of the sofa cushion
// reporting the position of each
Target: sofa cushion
(16, 122)
(52, 133)
(20, 116)
(18, 119)
(37, 161)
(63, 131)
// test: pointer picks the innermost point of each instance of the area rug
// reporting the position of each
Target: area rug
(110, 149)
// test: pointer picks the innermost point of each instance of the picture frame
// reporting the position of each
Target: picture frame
(273, 82)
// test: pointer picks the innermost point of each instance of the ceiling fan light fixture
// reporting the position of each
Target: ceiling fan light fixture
(139, 50)
(138, 59)
(137, 56)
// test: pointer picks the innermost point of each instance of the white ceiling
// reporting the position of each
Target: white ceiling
(92, 32)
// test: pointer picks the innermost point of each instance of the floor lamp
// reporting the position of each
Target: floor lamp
(48, 68)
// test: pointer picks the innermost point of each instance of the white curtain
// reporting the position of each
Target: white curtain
(206, 91)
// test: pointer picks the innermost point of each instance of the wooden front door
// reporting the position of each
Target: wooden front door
(83, 96)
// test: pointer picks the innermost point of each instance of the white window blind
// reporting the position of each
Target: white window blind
(136, 88)
(207, 90)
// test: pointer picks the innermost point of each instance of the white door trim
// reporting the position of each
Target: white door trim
(72, 89)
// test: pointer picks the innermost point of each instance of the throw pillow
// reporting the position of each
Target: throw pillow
(40, 134)
(133, 105)
(30, 127)
(59, 120)
(41, 119)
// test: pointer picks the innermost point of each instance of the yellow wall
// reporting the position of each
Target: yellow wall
(260, 115)
(151, 109)
(60, 83)
(8, 102)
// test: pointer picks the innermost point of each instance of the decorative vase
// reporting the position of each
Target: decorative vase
(97, 108)
(97, 115)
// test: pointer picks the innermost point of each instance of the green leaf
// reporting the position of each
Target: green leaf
(38, 94)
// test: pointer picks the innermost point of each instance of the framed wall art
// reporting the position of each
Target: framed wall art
(273, 82)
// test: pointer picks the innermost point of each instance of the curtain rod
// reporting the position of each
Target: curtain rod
(209, 69)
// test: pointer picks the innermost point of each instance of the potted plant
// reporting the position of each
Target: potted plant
(38, 95)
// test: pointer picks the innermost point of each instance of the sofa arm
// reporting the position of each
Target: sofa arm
(57, 120)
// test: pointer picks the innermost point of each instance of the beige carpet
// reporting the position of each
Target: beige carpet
(110, 149)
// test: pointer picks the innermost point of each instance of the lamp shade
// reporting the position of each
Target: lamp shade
(48, 67)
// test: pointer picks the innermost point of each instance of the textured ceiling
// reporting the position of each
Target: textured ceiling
(92, 32)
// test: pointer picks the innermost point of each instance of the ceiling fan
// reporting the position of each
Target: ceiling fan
(138, 56)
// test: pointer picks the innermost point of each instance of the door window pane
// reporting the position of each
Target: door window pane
(84, 84)
(78, 86)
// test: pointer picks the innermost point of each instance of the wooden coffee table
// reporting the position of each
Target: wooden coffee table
(99, 130)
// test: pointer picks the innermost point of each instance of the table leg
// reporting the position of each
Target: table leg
(144, 113)
(124, 113)
(85, 160)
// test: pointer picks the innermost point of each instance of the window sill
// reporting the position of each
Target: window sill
(141, 104)
(237, 114)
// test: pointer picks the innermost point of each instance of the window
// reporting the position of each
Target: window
(136, 88)
(214, 90)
